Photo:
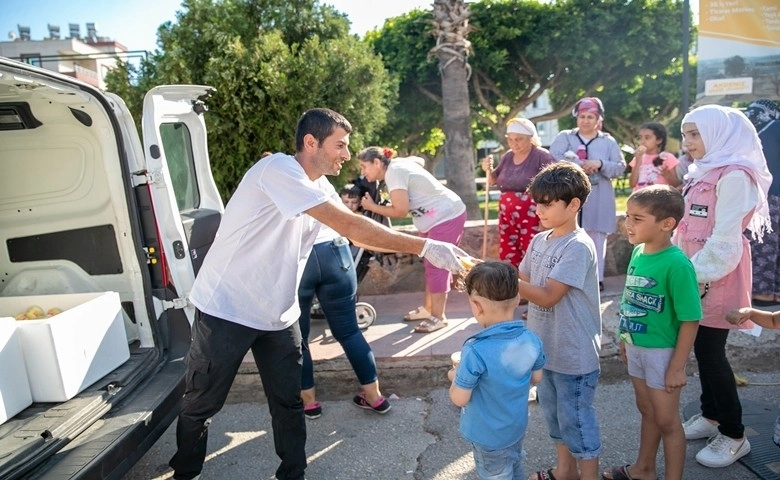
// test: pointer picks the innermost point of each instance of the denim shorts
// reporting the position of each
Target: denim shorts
(503, 464)
(567, 402)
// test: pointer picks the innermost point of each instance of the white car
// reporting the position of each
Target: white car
(85, 208)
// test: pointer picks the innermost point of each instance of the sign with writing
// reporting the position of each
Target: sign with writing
(739, 51)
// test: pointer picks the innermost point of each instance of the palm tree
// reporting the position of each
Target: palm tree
(451, 27)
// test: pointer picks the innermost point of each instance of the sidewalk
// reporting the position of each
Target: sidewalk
(412, 363)
(409, 363)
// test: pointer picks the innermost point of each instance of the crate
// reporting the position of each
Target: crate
(68, 352)
(15, 393)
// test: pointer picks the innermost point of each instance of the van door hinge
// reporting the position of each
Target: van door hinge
(147, 176)
(176, 304)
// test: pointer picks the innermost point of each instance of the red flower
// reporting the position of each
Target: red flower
(388, 153)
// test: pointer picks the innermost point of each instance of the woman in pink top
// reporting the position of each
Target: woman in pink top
(725, 193)
(517, 220)
(651, 164)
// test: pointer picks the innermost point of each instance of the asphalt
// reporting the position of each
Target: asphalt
(419, 438)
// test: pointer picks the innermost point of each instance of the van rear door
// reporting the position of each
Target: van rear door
(184, 199)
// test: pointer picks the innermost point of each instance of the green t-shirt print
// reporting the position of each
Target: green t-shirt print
(661, 292)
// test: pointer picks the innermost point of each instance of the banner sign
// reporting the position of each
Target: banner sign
(738, 51)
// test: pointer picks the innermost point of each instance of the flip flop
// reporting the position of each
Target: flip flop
(618, 473)
(543, 475)
(430, 324)
(419, 313)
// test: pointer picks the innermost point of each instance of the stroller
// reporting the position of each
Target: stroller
(365, 312)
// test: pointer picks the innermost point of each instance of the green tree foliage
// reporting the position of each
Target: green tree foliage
(269, 60)
(569, 48)
(653, 97)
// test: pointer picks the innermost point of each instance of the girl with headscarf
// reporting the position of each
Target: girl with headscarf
(599, 155)
(725, 193)
(517, 220)
(765, 115)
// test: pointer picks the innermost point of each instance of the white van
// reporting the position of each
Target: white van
(86, 209)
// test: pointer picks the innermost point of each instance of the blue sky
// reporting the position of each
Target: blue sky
(134, 23)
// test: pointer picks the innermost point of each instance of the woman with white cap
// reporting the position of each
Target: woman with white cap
(599, 155)
(517, 220)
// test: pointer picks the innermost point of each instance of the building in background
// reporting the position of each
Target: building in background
(87, 57)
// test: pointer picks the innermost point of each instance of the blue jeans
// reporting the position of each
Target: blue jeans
(217, 350)
(503, 464)
(567, 405)
(330, 274)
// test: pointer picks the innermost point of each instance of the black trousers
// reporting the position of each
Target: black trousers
(217, 349)
(719, 399)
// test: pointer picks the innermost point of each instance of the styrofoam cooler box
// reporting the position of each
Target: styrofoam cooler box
(15, 393)
(68, 352)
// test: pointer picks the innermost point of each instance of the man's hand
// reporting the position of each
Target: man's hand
(443, 255)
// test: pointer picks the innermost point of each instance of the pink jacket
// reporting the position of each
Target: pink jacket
(734, 290)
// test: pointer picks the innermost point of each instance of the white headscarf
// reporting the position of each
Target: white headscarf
(730, 139)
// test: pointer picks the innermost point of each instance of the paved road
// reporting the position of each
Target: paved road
(419, 440)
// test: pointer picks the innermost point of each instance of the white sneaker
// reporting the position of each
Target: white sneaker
(699, 427)
(722, 451)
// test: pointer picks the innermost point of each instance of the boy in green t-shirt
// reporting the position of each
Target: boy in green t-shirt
(659, 316)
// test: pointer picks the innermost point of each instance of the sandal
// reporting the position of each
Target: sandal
(430, 324)
(618, 473)
(542, 475)
(419, 313)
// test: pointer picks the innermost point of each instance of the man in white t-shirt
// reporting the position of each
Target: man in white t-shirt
(246, 290)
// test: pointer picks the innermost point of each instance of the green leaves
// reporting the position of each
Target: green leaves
(269, 60)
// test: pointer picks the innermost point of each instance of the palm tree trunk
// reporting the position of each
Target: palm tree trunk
(452, 48)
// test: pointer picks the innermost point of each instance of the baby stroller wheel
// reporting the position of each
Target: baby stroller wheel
(366, 314)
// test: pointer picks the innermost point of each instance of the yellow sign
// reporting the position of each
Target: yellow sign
(755, 22)
(728, 86)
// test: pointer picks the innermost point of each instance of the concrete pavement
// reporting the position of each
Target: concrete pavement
(419, 439)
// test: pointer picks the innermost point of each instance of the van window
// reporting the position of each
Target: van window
(178, 151)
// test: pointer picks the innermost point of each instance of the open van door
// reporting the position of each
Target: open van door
(184, 201)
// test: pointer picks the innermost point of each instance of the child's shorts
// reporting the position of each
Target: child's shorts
(649, 364)
(568, 408)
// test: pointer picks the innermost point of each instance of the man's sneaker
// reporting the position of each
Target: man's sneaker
(313, 410)
(722, 451)
(699, 427)
(381, 405)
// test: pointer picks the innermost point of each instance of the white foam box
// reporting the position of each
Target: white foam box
(70, 351)
(15, 393)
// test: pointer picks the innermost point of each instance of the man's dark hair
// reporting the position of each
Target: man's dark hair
(661, 201)
(320, 123)
(493, 280)
(560, 181)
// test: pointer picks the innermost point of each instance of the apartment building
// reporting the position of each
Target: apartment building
(86, 57)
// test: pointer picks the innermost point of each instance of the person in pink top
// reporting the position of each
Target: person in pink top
(517, 220)
(725, 194)
(651, 164)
